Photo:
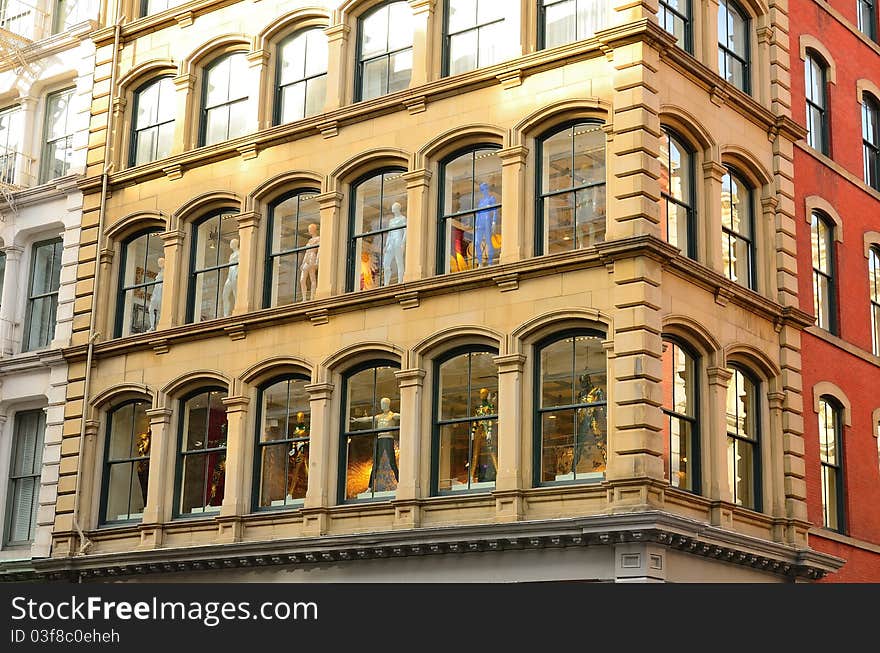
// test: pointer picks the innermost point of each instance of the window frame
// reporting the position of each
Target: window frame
(871, 146)
(756, 442)
(192, 273)
(837, 413)
(745, 58)
(663, 7)
(9, 173)
(874, 298)
(447, 37)
(359, 61)
(442, 217)
(538, 409)
(437, 423)
(733, 236)
(814, 61)
(203, 103)
(690, 207)
(259, 445)
(342, 433)
(268, 276)
(540, 196)
(28, 325)
(871, 32)
(39, 445)
(818, 218)
(279, 88)
(121, 288)
(45, 166)
(106, 465)
(134, 131)
(695, 468)
(542, 24)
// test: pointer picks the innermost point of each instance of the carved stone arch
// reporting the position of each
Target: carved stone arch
(358, 353)
(146, 71)
(686, 125)
(351, 9)
(559, 320)
(755, 8)
(866, 85)
(190, 381)
(265, 370)
(809, 42)
(289, 23)
(747, 165)
(816, 203)
(115, 395)
(60, 80)
(135, 222)
(872, 241)
(362, 163)
(754, 360)
(693, 333)
(280, 184)
(560, 112)
(446, 339)
(457, 139)
(203, 203)
(828, 389)
(216, 46)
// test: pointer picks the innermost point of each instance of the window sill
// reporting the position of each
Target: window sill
(839, 169)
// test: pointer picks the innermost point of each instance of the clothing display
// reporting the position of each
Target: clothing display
(156, 296)
(485, 227)
(484, 461)
(395, 247)
(231, 286)
(308, 276)
(590, 447)
(142, 467)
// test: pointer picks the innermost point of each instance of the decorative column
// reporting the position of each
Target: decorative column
(9, 299)
(509, 480)
(321, 467)
(714, 449)
(173, 244)
(258, 63)
(248, 293)
(791, 427)
(235, 495)
(710, 35)
(423, 50)
(160, 490)
(778, 474)
(709, 228)
(337, 65)
(26, 172)
(417, 225)
(104, 303)
(513, 203)
(329, 266)
(183, 127)
(409, 483)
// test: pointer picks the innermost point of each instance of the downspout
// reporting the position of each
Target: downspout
(84, 542)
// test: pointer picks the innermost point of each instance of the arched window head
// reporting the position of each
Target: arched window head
(152, 130)
(680, 408)
(571, 189)
(293, 244)
(571, 404)
(369, 448)
(385, 50)
(377, 241)
(141, 273)
(466, 422)
(816, 91)
(126, 463)
(743, 421)
(871, 139)
(470, 219)
(214, 267)
(225, 99)
(283, 432)
(675, 17)
(831, 463)
(874, 293)
(734, 29)
(301, 76)
(201, 464)
(824, 290)
(737, 230)
(474, 35)
(677, 189)
(567, 21)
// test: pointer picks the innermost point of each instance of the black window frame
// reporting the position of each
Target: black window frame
(756, 443)
(437, 423)
(45, 164)
(690, 206)
(746, 57)
(869, 30)
(360, 61)
(695, 467)
(871, 141)
(107, 464)
(829, 276)
(538, 410)
(343, 433)
(270, 256)
(442, 216)
(540, 196)
(663, 7)
(259, 445)
(837, 412)
(121, 288)
(203, 104)
(193, 274)
(874, 298)
(447, 37)
(11, 479)
(818, 105)
(134, 132)
(279, 88)
(58, 251)
(542, 23)
(732, 236)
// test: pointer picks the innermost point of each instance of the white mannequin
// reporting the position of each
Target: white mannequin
(156, 297)
(231, 285)
(308, 276)
(395, 245)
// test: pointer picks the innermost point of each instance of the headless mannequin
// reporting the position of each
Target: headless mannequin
(308, 276)
(156, 297)
(299, 460)
(484, 226)
(484, 442)
(589, 450)
(395, 246)
(231, 285)
(384, 474)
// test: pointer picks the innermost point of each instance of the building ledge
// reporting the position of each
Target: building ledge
(845, 345)
(840, 538)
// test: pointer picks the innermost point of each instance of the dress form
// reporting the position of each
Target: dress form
(308, 275)
(156, 296)
(298, 463)
(395, 246)
(231, 286)
(484, 460)
(384, 474)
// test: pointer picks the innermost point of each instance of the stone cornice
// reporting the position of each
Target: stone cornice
(52, 190)
(56, 43)
(169, 18)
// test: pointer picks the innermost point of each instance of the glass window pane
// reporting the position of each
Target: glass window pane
(557, 446)
(559, 23)
(374, 33)
(462, 52)
(462, 14)
(374, 80)
(400, 26)
(316, 95)
(399, 71)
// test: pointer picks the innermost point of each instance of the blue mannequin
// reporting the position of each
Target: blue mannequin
(484, 226)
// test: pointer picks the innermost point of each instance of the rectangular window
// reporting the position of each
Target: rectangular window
(24, 477)
(10, 134)
(42, 302)
(567, 21)
(675, 17)
(58, 136)
(475, 34)
(73, 12)
(17, 16)
(867, 19)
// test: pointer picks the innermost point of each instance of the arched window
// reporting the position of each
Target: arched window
(141, 272)
(225, 99)
(871, 139)
(831, 463)
(466, 421)
(824, 290)
(377, 231)
(126, 463)
(677, 189)
(292, 243)
(680, 407)
(201, 464)
(567, 21)
(385, 50)
(301, 76)
(370, 438)
(474, 34)
(470, 219)
(867, 18)
(874, 289)
(213, 267)
(737, 230)
(283, 430)
(152, 130)
(571, 430)
(25, 468)
(675, 17)
(733, 44)
(816, 85)
(743, 440)
(571, 189)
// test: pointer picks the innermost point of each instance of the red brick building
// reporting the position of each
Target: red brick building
(835, 70)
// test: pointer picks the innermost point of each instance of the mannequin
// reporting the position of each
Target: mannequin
(308, 276)
(484, 226)
(298, 464)
(395, 246)
(484, 462)
(231, 285)
(156, 297)
(590, 446)
(142, 446)
(384, 475)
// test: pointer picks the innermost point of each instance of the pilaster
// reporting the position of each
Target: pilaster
(320, 447)
(423, 47)
(238, 446)
(173, 244)
(162, 449)
(330, 268)
(337, 60)
(9, 299)
(248, 292)
(417, 225)
(513, 203)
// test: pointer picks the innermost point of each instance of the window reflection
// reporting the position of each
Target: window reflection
(475, 36)
(294, 246)
(680, 410)
(676, 210)
(202, 470)
(225, 102)
(127, 466)
(153, 135)
(567, 21)
(385, 59)
(214, 274)
(140, 288)
(302, 76)
(377, 247)
(737, 244)
(743, 461)
(831, 465)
